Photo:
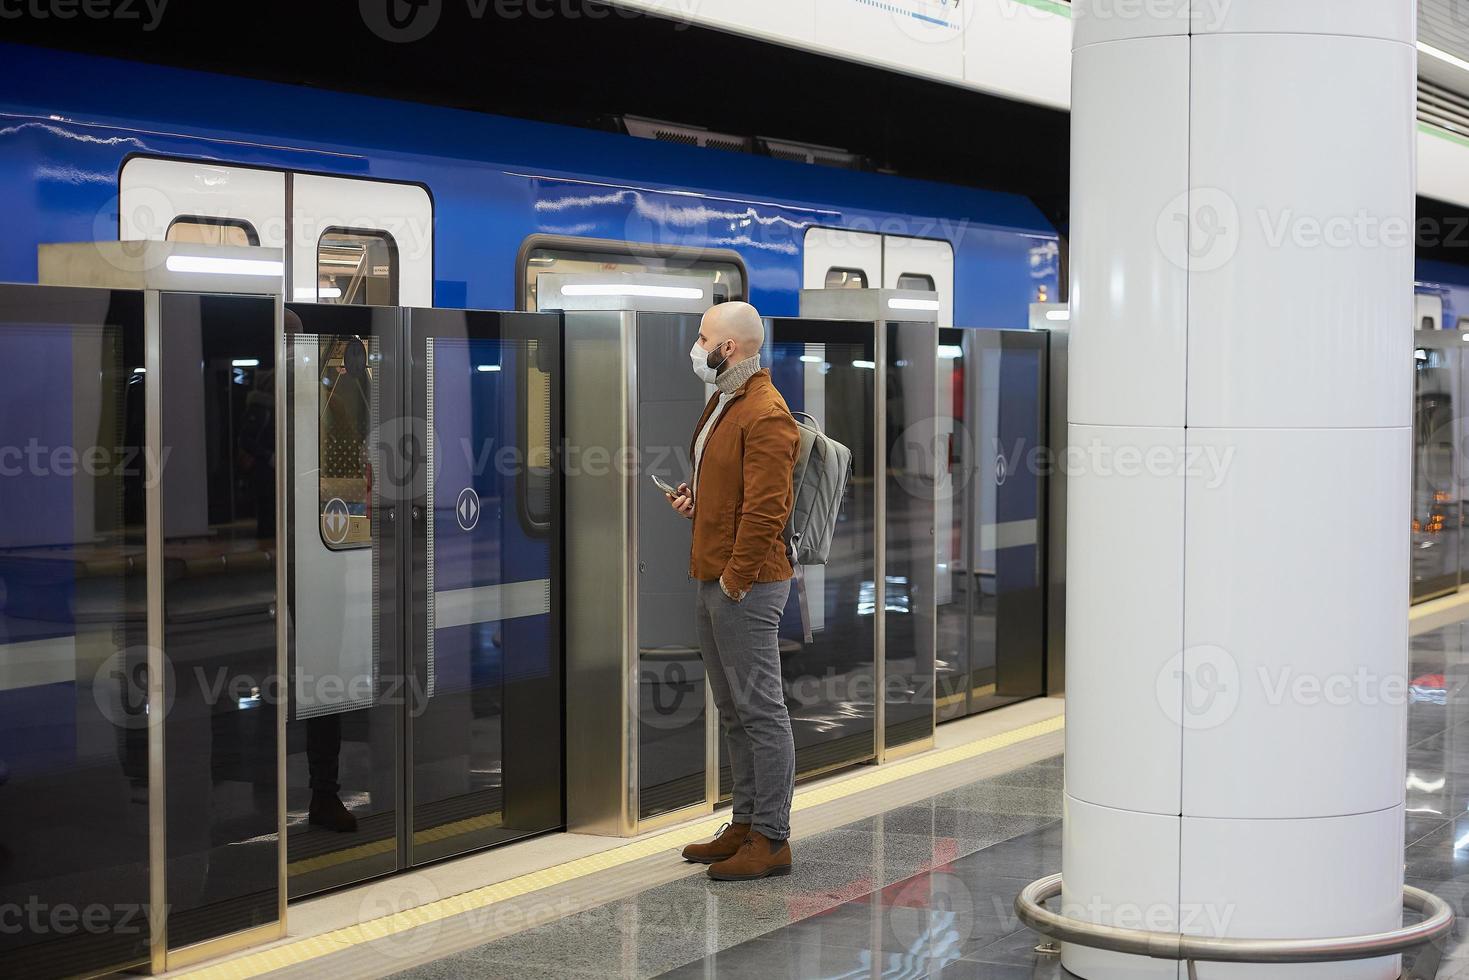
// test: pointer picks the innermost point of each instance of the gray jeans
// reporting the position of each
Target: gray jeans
(742, 661)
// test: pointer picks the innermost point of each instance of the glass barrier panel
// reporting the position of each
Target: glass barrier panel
(219, 610)
(671, 708)
(1437, 470)
(911, 553)
(1005, 510)
(953, 590)
(73, 633)
(346, 486)
(485, 729)
(827, 369)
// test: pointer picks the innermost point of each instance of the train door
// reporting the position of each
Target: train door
(833, 258)
(921, 263)
(484, 634)
(346, 495)
(201, 201)
(836, 258)
(361, 242)
(352, 241)
(425, 643)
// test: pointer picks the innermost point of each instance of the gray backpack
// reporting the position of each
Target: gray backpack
(818, 484)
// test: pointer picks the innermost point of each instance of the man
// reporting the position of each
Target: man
(744, 452)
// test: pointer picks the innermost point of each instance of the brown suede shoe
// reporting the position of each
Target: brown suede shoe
(731, 835)
(758, 857)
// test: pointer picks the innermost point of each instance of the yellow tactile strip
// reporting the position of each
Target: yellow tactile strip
(304, 950)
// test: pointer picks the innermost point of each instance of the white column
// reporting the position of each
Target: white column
(1241, 322)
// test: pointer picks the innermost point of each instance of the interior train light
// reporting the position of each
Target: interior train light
(903, 303)
(950, 351)
(811, 359)
(1465, 336)
(1058, 314)
(245, 362)
(320, 292)
(632, 289)
(215, 265)
(486, 368)
(870, 365)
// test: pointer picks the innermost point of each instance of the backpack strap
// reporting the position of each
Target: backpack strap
(801, 600)
(807, 415)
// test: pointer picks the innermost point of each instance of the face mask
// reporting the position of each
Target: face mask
(702, 363)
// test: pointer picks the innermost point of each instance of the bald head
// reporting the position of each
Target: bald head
(736, 322)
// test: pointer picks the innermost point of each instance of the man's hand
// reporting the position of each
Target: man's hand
(684, 502)
(728, 592)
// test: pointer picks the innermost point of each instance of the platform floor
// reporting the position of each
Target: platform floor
(902, 877)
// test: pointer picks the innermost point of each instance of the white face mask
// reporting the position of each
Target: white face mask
(699, 361)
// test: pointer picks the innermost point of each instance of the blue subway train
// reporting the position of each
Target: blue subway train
(466, 209)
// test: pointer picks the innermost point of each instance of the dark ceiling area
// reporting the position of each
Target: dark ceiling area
(584, 63)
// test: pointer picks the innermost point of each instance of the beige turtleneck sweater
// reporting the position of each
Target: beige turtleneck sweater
(728, 382)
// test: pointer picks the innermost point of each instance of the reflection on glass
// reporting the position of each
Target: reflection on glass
(826, 371)
(486, 725)
(671, 710)
(343, 737)
(73, 743)
(345, 403)
(954, 582)
(219, 608)
(726, 279)
(1437, 509)
(991, 604)
(913, 444)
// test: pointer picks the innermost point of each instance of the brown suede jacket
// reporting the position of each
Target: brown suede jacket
(744, 488)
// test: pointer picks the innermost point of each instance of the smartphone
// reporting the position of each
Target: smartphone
(671, 491)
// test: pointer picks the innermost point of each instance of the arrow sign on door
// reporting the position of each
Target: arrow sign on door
(467, 509)
(336, 520)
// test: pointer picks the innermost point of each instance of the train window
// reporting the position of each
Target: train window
(916, 280)
(199, 230)
(840, 278)
(721, 268)
(535, 489)
(344, 398)
(357, 267)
